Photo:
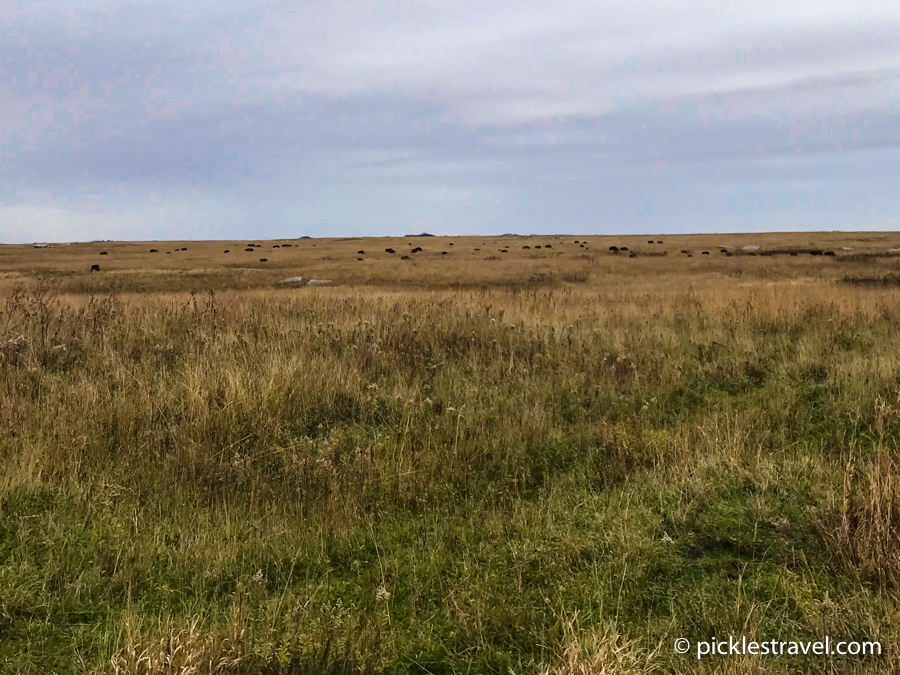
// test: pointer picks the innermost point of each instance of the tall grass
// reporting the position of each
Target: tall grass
(548, 478)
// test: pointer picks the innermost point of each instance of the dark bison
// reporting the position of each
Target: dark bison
(623, 248)
(443, 252)
(103, 253)
(275, 246)
(829, 253)
(404, 257)
(417, 249)
(95, 268)
(249, 250)
(684, 250)
(263, 260)
(153, 250)
(704, 252)
(360, 253)
(659, 241)
(537, 246)
(526, 247)
(612, 249)
(649, 241)
(358, 259)
(389, 250)
(227, 250)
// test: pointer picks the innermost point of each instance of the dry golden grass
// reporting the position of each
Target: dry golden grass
(547, 460)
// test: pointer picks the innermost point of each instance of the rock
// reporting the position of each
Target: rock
(318, 282)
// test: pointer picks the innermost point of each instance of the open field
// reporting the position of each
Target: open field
(550, 460)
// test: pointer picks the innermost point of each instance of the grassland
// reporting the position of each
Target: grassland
(540, 461)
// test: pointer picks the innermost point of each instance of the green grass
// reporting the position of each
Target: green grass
(469, 482)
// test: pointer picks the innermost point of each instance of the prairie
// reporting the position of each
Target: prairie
(544, 460)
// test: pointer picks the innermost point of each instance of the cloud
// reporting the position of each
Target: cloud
(360, 117)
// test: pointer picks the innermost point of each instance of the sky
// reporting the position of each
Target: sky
(219, 119)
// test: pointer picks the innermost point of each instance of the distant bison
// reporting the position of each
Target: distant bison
(417, 249)
(612, 249)
(249, 250)
(263, 260)
(526, 247)
(684, 250)
(227, 250)
(103, 253)
(389, 250)
(547, 246)
(360, 253)
(659, 242)
(829, 253)
(153, 250)
(404, 257)
(537, 246)
(358, 259)
(704, 252)
(623, 248)
(443, 252)
(275, 246)
(649, 241)
(95, 268)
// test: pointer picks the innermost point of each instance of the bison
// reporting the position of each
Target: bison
(95, 268)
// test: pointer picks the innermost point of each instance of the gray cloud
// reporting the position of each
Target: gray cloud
(151, 119)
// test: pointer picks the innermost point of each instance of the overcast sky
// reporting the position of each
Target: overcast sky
(223, 119)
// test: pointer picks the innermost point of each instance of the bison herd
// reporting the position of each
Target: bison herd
(614, 249)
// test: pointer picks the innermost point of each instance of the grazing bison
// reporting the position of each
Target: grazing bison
(404, 257)
(417, 249)
(275, 246)
(103, 253)
(547, 246)
(684, 250)
(829, 253)
(249, 250)
(704, 252)
(659, 241)
(816, 251)
(476, 249)
(612, 249)
(263, 260)
(443, 252)
(623, 248)
(227, 250)
(286, 245)
(537, 246)
(389, 250)
(649, 241)
(95, 268)
(358, 259)
(153, 250)
(526, 247)
(360, 253)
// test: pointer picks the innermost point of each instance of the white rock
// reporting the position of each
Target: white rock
(318, 282)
